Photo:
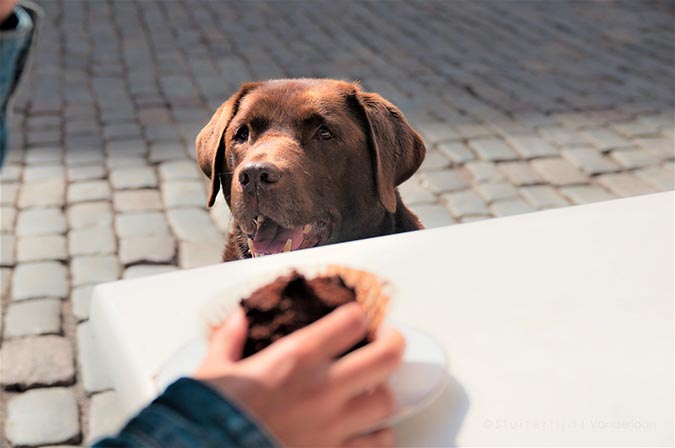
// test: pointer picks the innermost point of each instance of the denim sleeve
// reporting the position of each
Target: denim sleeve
(190, 414)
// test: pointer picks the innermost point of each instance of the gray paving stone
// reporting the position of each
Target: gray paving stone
(92, 370)
(473, 130)
(434, 160)
(624, 184)
(163, 151)
(94, 190)
(145, 270)
(7, 218)
(519, 173)
(44, 156)
(606, 139)
(89, 214)
(192, 224)
(465, 203)
(41, 248)
(98, 240)
(590, 160)
(33, 317)
(433, 215)
(80, 297)
(531, 146)
(558, 171)
(443, 181)
(125, 162)
(106, 416)
(96, 269)
(137, 201)
(493, 191)
(543, 196)
(631, 158)
(467, 219)
(5, 282)
(584, 194)
(133, 178)
(510, 207)
(193, 254)
(42, 416)
(8, 194)
(87, 172)
(183, 194)
(10, 173)
(412, 192)
(664, 147)
(38, 173)
(492, 149)
(126, 148)
(179, 170)
(222, 216)
(53, 280)
(138, 224)
(148, 249)
(37, 361)
(457, 152)
(40, 222)
(6, 249)
(435, 132)
(657, 177)
(48, 193)
(482, 171)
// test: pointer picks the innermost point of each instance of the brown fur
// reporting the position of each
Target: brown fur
(346, 183)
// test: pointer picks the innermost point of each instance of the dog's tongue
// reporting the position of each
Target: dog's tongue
(271, 238)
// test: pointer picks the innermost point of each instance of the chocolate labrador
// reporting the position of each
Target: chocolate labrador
(308, 162)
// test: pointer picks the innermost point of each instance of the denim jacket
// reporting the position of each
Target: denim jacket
(189, 414)
(15, 45)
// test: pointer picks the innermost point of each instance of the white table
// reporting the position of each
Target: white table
(558, 324)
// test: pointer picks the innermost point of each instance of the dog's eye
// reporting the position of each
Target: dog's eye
(242, 134)
(323, 133)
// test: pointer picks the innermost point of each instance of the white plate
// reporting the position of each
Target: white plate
(416, 384)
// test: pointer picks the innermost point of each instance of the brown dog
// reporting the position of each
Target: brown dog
(308, 162)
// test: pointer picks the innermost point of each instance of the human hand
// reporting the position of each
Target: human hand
(299, 390)
(6, 8)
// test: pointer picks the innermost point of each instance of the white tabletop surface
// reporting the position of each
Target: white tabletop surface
(558, 324)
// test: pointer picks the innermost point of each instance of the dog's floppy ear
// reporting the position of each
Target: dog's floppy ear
(211, 154)
(396, 148)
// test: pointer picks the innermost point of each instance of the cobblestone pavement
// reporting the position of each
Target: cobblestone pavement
(524, 106)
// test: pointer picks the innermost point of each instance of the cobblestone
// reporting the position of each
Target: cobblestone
(88, 191)
(558, 171)
(624, 184)
(37, 361)
(133, 178)
(7, 218)
(53, 280)
(590, 160)
(148, 249)
(87, 172)
(412, 192)
(192, 224)
(457, 152)
(519, 173)
(139, 224)
(8, 194)
(465, 203)
(98, 240)
(49, 193)
(106, 416)
(543, 196)
(137, 201)
(658, 178)
(42, 416)
(80, 297)
(89, 214)
(492, 149)
(510, 207)
(632, 158)
(41, 248)
(6, 249)
(179, 170)
(144, 270)
(443, 181)
(433, 215)
(97, 269)
(183, 194)
(94, 375)
(193, 254)
(33, 317)
(584, 194)
(40, 222)
(493, 191)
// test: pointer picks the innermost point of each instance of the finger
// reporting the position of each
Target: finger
(228, 340)
(370, 365)
(383, 438)
(368, 409)
(334, 334)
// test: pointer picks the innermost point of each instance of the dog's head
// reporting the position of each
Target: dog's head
(307, 162)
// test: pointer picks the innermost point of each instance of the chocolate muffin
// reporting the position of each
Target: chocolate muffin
(289, 303)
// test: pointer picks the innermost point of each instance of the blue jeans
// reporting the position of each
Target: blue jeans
(15, 45)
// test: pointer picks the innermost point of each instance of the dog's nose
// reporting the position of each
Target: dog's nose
(259, 174)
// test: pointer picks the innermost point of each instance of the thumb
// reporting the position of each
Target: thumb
(228, 340)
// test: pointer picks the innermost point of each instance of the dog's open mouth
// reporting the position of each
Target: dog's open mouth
(271, 238)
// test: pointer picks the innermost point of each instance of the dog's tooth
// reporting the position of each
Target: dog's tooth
(307, 229)
(288, 245)
(250, 247)
(259, 221)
